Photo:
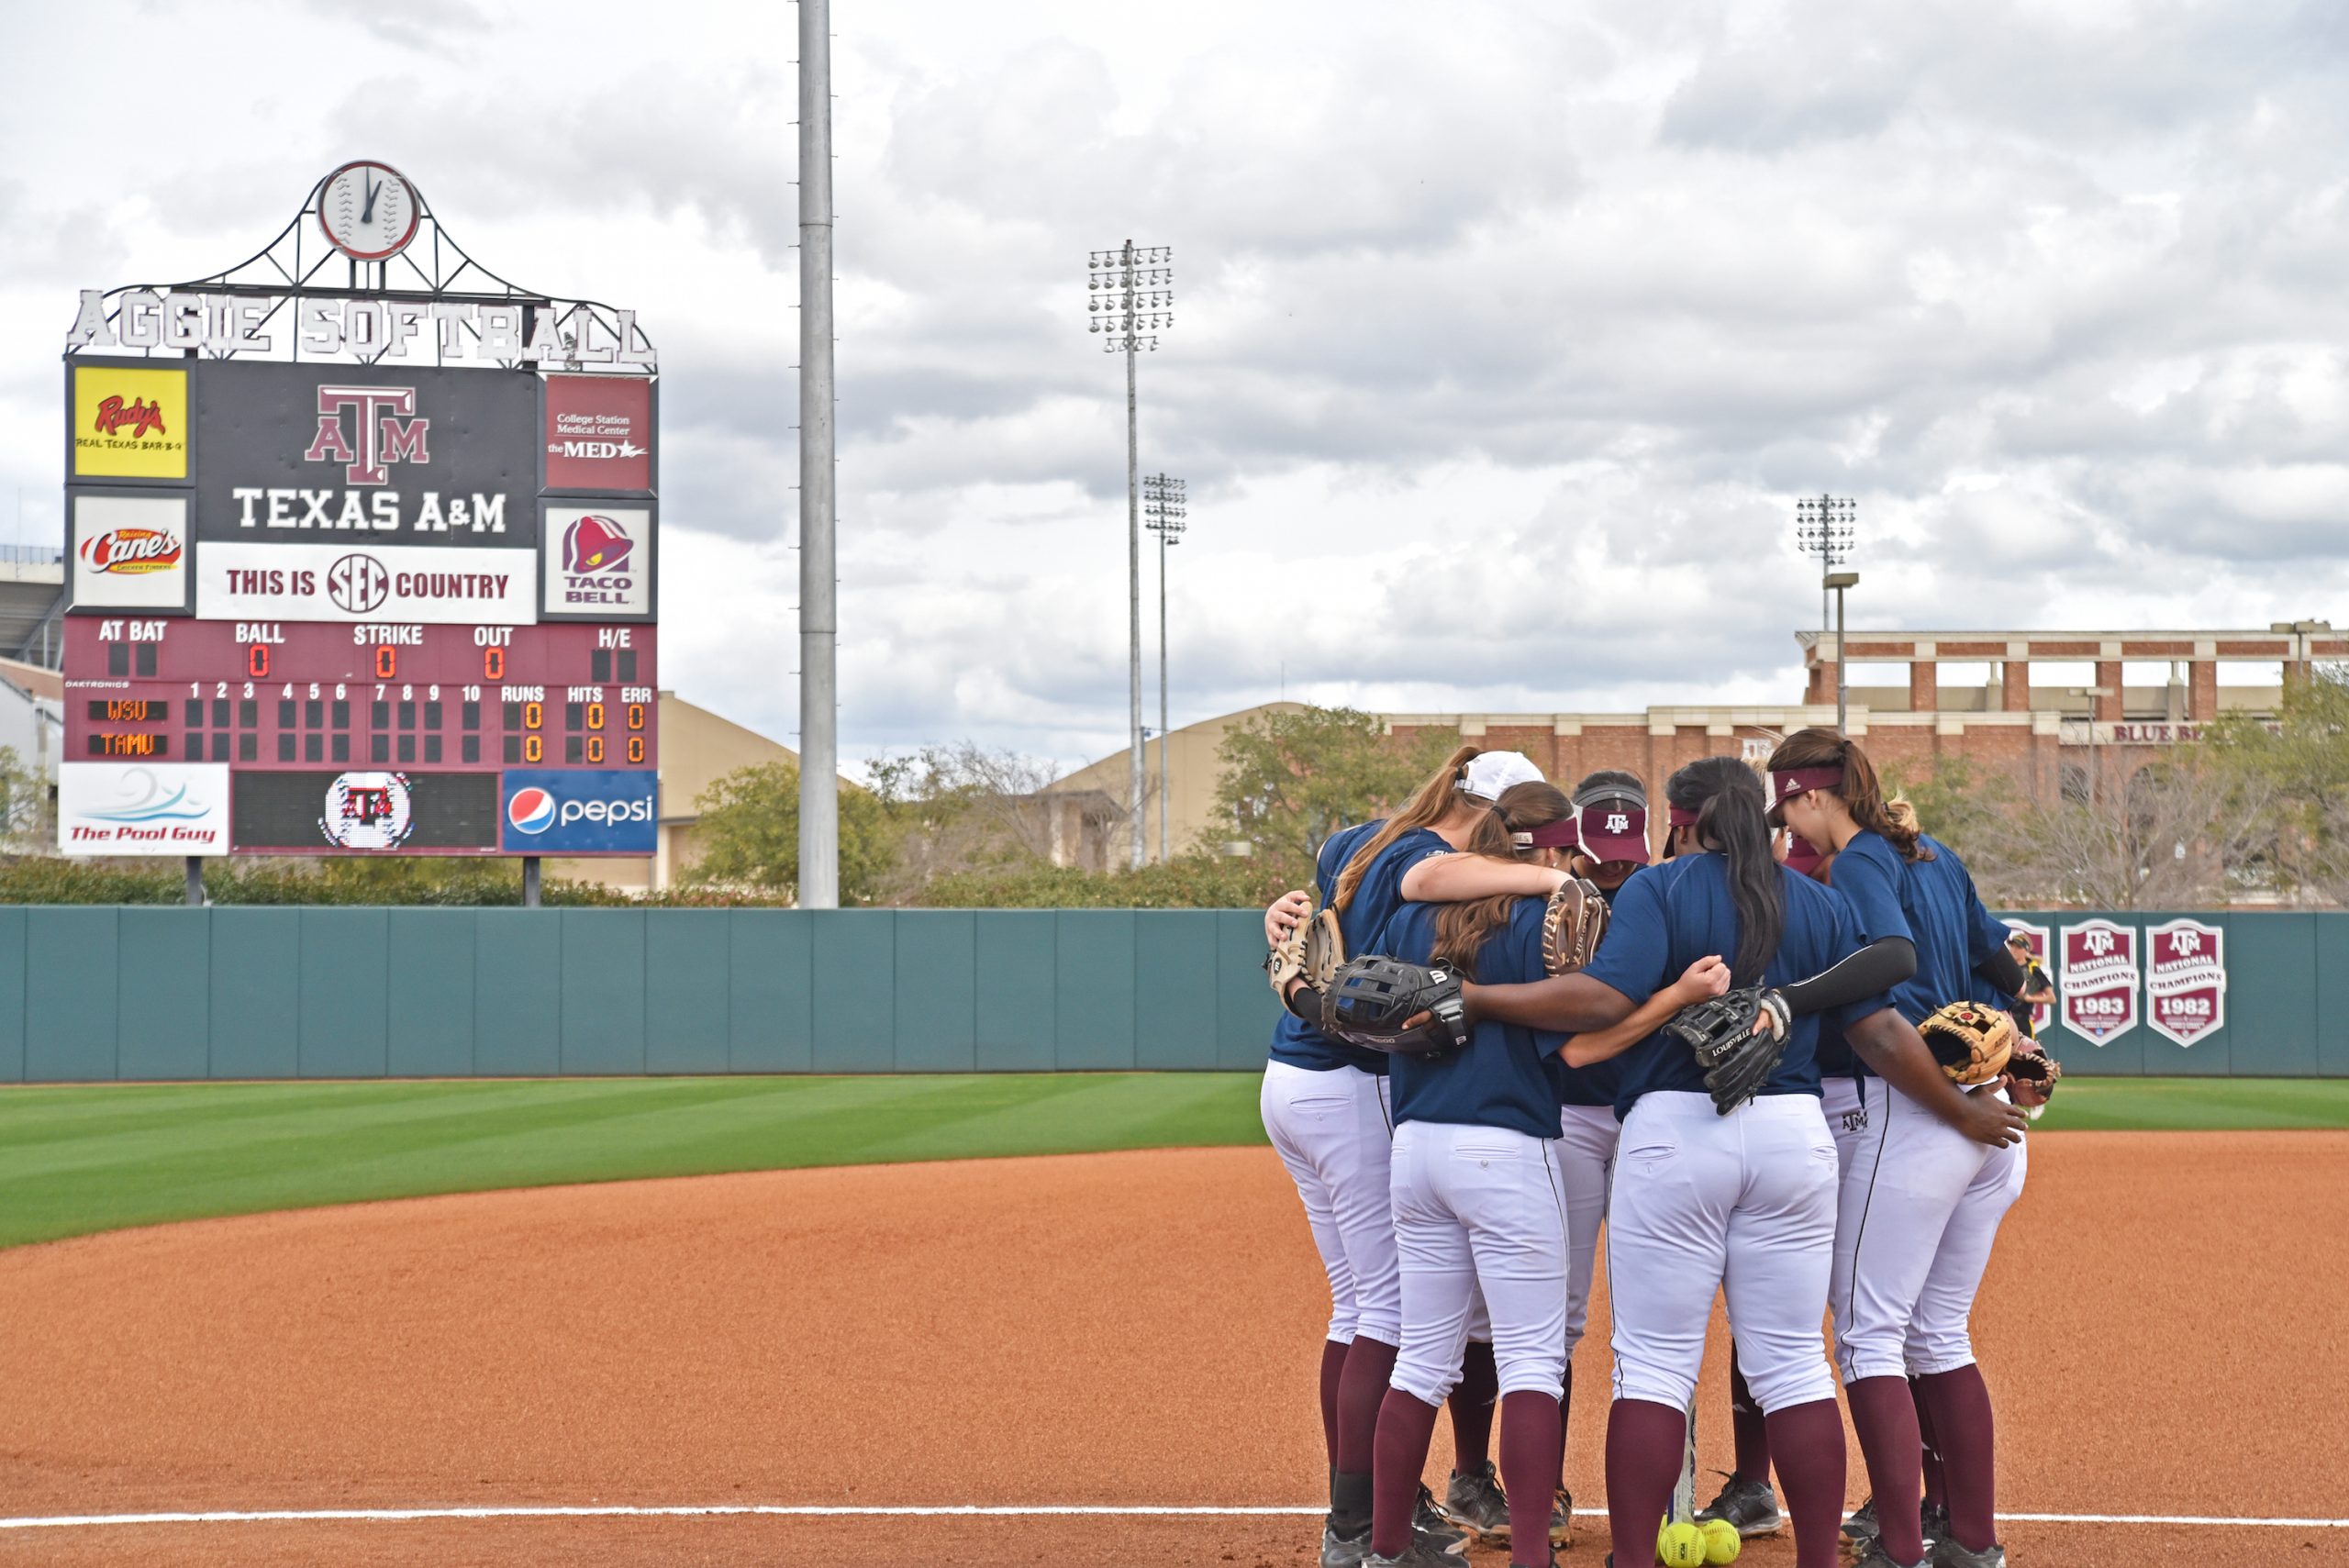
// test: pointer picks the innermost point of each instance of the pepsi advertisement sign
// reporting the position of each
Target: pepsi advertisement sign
(573, 811)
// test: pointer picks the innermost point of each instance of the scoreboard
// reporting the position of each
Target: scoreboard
(333, 605)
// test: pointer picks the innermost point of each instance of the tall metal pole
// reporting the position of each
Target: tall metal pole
(1843, 666)
(819, 837)
(1165, 799)
(1133, 557)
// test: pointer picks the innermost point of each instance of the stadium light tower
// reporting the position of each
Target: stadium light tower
(1823, 529)
(1162, 504)
(1131, 298)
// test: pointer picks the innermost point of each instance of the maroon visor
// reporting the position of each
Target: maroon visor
(1613, 830)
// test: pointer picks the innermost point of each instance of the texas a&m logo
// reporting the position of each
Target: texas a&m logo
(368, 429)
(1619, 822)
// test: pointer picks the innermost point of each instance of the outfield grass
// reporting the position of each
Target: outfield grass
(75, 1159)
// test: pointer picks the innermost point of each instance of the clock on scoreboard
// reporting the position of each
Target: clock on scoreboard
(364, 568)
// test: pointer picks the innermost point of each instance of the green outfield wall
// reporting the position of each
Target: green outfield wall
(98, 993)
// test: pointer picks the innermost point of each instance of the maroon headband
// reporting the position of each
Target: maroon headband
(1786, 786)
(1558, 835)
(1681, 817)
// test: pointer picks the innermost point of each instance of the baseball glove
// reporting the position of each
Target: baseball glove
(1572, 925)
(2036, 1068)
(1737, 1059)
(1971, 1041)
(1412, 1009)
(1311, 952)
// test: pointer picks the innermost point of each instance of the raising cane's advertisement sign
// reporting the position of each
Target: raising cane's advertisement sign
(2186, 980)
(2097, 982)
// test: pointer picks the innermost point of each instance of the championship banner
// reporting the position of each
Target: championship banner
(2043, 1014)
(2099, 982)
(2186, 980)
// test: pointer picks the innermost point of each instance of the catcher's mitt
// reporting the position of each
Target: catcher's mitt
(1311, 952)
(1737, 1059)
(2034, 1068)
(1412, 1010)
(1572, 925)
(1972, 1042)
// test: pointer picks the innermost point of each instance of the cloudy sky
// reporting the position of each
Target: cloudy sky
(1506, 333)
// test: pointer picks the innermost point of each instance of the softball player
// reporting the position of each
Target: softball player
(1742, 1202)
(1920, 1202)
(1325, 1106)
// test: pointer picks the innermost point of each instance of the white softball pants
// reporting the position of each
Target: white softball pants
(1479, 1210)
(1332, 1131)
(1586, 1165)
(1744, 1203)
(1919, 1211)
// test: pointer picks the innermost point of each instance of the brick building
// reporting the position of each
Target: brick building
(2075, 711)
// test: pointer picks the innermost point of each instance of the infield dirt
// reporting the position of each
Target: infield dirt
(2161, 1327)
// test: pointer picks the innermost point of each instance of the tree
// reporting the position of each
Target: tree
(749, 835)
(2296, 769)
(1290, 780)
(2176, 837)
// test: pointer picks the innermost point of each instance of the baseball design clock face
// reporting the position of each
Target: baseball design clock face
(368, 210)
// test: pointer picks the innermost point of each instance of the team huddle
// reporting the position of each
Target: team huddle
(1781, 1063)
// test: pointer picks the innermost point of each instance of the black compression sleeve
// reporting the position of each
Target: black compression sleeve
(1871, 972)
(2001, 970)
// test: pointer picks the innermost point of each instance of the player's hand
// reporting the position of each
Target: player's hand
(1285, 914)
(1991, 1120)
(1707, 977)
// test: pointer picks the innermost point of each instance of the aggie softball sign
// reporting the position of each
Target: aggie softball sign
(2186, 980)
(2098, 984)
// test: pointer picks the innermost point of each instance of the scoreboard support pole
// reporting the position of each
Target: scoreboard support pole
(530, 882)
(195, 881)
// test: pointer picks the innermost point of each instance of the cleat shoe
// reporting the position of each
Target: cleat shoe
(1859, 1530)
(1933, 1520)
(1422, 1553)
(1947, 1553)
(1562, 1518)
(1749, 1507)
(1875, 1556)
(1343, 1550)
(1430, 1523)
(1474, 1503)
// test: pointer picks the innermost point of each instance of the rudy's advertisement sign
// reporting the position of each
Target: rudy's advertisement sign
(2098, 983)
(579, 812)
(598, 562)
(366, 582)
(2186, 980)
(142, 808)
(129, 552)
(298, 454)
(129, 423)
(599, 433)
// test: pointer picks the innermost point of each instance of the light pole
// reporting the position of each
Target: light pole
(1163, 504)
(1131, 297)
(2096, 755)
(1823, 529)
(819, 806)
(1840, 580)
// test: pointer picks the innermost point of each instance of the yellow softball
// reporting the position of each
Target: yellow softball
(1680, 1545)
(1721, 1542)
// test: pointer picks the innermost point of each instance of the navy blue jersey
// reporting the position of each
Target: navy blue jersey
(1376, 899)
(1672, 915)
(1599, 1084)
(1933, 902)
(1507, 1075)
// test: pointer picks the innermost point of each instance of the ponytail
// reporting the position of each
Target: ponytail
(1860, 790)
(1461, 930)
(1732, 817)
(1429, 804)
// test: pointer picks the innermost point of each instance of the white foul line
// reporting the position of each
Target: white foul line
(950, 1510)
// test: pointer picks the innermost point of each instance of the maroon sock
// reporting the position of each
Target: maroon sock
(1565, 1417)
(1369, 1364)
(1333, 1368)
(1644, 1446)
(1472, 1407)
(1936, 1494)
(1885, 1419)
(1808, 1442)
(1747, 1425)
(1530, 1461)
(1964, 1431)
(1406, 1427)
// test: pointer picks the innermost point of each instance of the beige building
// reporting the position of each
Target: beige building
(2078, 712)
(1192, 759)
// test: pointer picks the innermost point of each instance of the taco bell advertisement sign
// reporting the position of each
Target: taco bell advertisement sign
(598, 562)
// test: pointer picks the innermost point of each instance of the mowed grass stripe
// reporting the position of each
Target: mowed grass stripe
(83, 1159)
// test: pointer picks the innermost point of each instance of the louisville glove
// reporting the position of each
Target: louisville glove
(1737, 1058)
(1572, 925)
(1972, 1042)
(1412, 1009)
(1311, 952)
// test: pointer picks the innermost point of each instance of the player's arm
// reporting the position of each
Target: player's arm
(1706, 977)
(1458, 878)
(1870, 972)
(1568, 1003)
(1888, 1043)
